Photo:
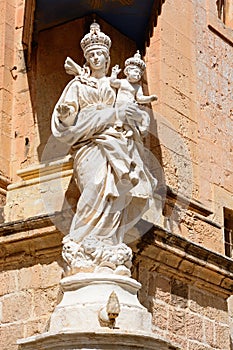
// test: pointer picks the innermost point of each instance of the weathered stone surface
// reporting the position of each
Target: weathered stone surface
(12, 309)
(111, 340)
(9, 335)
(189, 65)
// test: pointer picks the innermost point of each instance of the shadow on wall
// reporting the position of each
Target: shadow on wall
(47, 79)
(174, 303)
(47, 76)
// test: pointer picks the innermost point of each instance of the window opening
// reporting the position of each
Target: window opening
(221, 9)
(225, 12)
(228, 232)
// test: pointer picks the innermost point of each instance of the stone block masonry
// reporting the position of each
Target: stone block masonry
(186, 279)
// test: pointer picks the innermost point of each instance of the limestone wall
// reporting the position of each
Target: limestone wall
(184, 314)
(189, 67)
(184, 286)
(28, 295)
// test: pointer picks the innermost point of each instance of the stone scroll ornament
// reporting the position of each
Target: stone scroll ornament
(103, 121)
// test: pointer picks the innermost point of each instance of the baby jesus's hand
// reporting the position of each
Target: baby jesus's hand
(116, 70)
(153, 98)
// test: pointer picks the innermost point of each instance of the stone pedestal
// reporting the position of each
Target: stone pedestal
(102, 340)
(78, 321)
(86, 296)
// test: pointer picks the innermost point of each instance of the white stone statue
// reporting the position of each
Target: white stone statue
(130, 91)
(115, 185)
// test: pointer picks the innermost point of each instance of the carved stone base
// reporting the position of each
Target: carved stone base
(85, 299)
(98, 311)
(101, 340)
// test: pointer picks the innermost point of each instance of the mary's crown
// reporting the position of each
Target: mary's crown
(95, 39)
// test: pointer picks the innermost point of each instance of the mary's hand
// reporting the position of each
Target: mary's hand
(133, 112)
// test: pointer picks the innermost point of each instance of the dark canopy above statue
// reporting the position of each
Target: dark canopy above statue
(133, 18)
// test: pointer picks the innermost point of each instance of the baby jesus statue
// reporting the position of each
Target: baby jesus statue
(129, 91)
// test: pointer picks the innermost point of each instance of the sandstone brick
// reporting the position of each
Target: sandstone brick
(230, 306)
(159, 332)
(179, 122)
(205, 190)
(39, 276)
(176, 323)
(152, 284)
(182, 82)
(169, 29)
(201, 16)
(22, 89)
(9, 46)
(7, 99)
(6, 124)
(9, 336)
(209, 305)
(0, 312)
(23, 106)
(19, 17)
(178, 144)
(143, 292)
(160, 315)
(51, 275)
(180, 341)
(6, 145)
(36, 326)
(169, 259)
(5, 163)
(179, 293)
(2, 12)
(177, 100)
(175, 16)
(29, 277)
(209, 332)
(194, 327)
(45, 300)
(197, 346)
(163, 289)
(186, 265)
(10, 14)
(6, 78)
(207, 276)
(222, 336)
(17, 306)
(8, 282)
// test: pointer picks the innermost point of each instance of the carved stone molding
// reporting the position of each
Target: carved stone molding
(107, 340)
(4, 182)
(178, 257)
(85, 298)
(167, 252)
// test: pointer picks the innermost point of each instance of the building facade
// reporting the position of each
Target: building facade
(183, 247)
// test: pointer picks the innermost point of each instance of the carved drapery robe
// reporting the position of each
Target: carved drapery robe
(114, 183)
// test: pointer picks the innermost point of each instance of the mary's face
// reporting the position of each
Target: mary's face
(96, 59)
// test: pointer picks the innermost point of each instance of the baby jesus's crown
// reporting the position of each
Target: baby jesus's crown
(136, 61)
(95, 40)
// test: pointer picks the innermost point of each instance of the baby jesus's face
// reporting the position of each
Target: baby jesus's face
(133, 73)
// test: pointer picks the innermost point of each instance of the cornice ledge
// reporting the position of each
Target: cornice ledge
(178, 257)
(34, 237)
(4, 182)
(32, 223)
(166, 252)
